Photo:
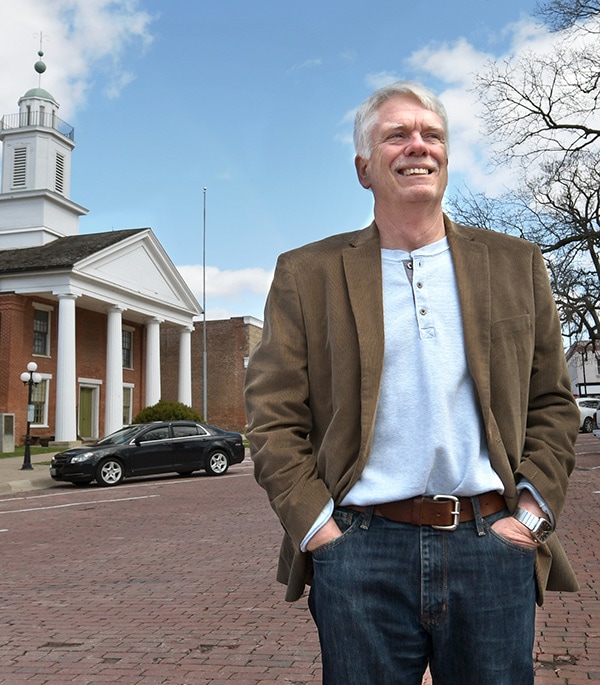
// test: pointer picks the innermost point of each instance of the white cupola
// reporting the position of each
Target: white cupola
(35, 207)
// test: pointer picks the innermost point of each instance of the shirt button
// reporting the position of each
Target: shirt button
(409, 265)
(419, 284)
(422, 311)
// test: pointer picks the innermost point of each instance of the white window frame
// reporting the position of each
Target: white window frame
(49, 309)
(128, 388)
(45, 377)
(131, 331)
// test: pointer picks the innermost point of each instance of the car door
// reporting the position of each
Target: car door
(190, 442)
(152, 451)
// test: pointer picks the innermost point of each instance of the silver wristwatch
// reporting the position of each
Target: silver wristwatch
(540, 528)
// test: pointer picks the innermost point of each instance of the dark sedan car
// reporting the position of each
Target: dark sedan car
(150, 448)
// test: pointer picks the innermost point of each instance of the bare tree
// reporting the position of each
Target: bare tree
(562, 14)
(543, 103)
(542, 112)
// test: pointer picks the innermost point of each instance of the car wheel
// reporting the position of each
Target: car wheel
(217, 463)
(109, 472)
(588, 425)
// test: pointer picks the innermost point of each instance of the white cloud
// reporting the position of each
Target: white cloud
(308, 64)
(451, 63)
(227, 284)
(380, 79)
(84, 42)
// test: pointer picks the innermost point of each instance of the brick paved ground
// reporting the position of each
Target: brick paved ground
(170, 581)
(568, 626)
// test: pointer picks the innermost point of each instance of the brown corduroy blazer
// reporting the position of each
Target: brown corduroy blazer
(312, 383)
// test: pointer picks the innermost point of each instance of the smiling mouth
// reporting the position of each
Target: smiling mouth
(415, 171)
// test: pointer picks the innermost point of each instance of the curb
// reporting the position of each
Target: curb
(23, 485)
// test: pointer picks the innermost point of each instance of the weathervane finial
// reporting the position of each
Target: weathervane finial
(39, 66)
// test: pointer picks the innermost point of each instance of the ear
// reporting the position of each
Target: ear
(362, 171)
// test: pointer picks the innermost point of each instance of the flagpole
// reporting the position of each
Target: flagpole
(204, 364)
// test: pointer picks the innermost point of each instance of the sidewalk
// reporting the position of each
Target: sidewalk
(14, 479)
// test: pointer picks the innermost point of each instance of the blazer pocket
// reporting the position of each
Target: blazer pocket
(516, 324)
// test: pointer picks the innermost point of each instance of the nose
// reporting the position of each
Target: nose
(416, 145)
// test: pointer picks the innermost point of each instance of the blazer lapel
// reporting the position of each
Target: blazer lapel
(362, 266)
(471, 264)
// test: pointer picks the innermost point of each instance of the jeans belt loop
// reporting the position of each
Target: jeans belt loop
(478, 516)
(366, 517)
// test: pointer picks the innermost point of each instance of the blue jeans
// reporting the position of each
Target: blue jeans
(391, 598)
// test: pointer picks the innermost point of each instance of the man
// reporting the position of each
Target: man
(411, 421)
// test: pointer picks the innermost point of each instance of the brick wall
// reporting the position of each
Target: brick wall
(16, 346)
(16, 351)
(228, 343)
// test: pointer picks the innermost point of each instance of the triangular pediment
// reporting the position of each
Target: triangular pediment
(140, 268)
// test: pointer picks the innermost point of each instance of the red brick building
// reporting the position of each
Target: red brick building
(229, 343)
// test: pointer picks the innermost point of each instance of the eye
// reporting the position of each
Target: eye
(397, 135)
(435, 136)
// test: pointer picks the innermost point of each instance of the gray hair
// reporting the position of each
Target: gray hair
(366, 115)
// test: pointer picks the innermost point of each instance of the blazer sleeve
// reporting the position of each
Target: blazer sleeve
(278, 411)
(552, 416)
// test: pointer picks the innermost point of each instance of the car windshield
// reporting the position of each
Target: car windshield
(120, 437)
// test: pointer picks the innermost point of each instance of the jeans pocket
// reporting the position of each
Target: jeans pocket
(347, 523)
(509, 544)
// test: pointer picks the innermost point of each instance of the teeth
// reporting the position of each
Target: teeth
(412, 172)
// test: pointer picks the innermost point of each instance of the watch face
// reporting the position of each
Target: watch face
(544, 529)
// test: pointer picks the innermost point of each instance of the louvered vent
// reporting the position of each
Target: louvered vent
(20, 167)
(59, 182)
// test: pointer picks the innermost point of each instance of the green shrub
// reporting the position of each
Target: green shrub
(167, 411)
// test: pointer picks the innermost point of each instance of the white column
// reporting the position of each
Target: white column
(184, 388)
(113, 398)
(152, 362)
(65, 429)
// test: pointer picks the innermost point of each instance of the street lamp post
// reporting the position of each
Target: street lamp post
(29, 378)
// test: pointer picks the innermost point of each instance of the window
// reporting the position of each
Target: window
(41, 331)
(185, 431)
(19, 179)
(127, 343)
(127, 404)
(155, 434)
(39, 399)
(59, 181)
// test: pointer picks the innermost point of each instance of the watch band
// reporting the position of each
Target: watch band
(540, 528)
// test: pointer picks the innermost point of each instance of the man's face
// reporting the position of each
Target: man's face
(408, 161)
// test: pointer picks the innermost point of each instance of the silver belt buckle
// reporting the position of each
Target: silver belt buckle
(455, 511)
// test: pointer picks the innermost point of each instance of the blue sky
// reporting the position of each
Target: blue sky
(253, 101)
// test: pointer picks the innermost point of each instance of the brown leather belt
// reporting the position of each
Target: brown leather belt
(440, 511)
